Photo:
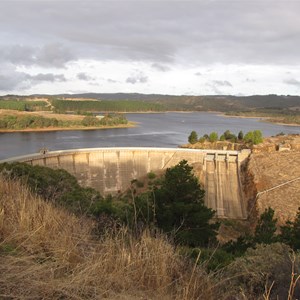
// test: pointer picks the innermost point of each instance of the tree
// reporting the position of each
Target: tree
(257, 137)
(241, 135)
(254, 137)
(213, 137)
(290, 232)
(227, 134)
(180, 207)
(248, 138)
(266, 228)
(193, 137)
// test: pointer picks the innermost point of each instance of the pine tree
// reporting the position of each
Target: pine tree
(266, 228)
(193, 137)
(241, 135)
(180, 207)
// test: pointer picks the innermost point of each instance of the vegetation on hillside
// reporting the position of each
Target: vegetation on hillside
(285, 116)
(80, 107)
(19, 122)
(48, 253)
(37, 236)
(250, 138)
(23, 105)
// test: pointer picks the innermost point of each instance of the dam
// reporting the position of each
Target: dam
(111, 170)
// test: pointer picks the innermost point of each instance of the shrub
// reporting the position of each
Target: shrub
(151, 175)
(213, 137)
(254, 137)
(241, 135)
(193, 137)
(90, 121)
(290, 232)
(57, 186)
(259, 269)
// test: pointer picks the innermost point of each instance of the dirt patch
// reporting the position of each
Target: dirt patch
(46, 114)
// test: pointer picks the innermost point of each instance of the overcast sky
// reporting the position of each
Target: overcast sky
(169, 47)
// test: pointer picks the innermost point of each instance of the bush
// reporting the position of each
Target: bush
(193, 137)
(241, 135)
(212, 259)
(258, 269)
(290, 232)
(254, 137)
(151, 175)
(213, 137)
(266, 228)
(90, 121)
(57, 186)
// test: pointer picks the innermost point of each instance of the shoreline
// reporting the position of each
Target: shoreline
(262, 119)
(48, 129)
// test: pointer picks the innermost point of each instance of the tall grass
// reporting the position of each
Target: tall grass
(46, 252)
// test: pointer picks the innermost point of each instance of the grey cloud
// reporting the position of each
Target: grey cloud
(47, 77)
(137, 78)
(49, 55)
(187, 32)
(18, 54)
(109, 80)
(221, 83)
(198, 74)
(54, 55)
(85, 77)
(11, 79)
(293, 81)
(217, 85)
(160, 67)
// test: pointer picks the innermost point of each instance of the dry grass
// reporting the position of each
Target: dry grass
(47, 253)
(46, 114)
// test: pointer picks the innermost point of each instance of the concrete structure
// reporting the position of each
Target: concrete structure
(110, 170)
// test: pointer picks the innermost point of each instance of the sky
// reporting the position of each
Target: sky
(202, 47)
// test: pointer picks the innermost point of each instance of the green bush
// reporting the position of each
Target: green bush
(290, 232)
(57, 186)
(90, 121)
(213, 137)
(257, 270)
(193, 137)
(254, 137)
(151, 175)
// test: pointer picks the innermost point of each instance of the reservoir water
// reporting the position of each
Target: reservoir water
(153, 130)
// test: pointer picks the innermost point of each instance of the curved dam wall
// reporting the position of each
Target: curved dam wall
(110, 170)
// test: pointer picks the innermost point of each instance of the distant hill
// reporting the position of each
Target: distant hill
(224, 103)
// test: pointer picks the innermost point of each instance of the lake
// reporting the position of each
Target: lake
(154, 130)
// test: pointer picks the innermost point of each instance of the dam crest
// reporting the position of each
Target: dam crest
(111, 170)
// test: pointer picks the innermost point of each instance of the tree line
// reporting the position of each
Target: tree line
(62, 106)
(253, 137)
(30, 121)
(23, 105)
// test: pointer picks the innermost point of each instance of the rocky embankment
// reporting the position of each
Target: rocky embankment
(272, 177)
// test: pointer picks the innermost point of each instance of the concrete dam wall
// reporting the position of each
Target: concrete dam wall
(111, 170)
